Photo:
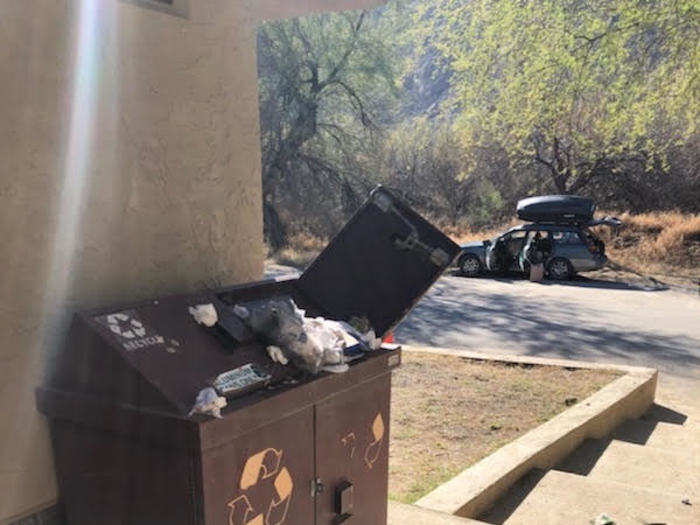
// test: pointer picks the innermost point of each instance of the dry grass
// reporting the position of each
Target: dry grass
(656, 243)
(449, 412)
(302, 249)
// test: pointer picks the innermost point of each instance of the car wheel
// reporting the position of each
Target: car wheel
(470, 265)
(560, 269)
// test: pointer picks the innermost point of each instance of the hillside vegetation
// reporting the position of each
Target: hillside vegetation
(462, 107)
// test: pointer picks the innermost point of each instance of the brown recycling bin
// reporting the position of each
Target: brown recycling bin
(292, 449)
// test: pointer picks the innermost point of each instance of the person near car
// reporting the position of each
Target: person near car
(537, 250)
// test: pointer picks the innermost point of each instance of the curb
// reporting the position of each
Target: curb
(477, 488)
(406, 514)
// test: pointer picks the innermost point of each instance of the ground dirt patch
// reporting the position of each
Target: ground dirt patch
(449, 412)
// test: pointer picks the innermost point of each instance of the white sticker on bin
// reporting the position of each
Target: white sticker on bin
(240, 378)
(132, 333)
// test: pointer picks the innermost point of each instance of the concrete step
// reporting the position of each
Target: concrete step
(561, 497)
(667, 436)
(674, 413)
(676, 471)
(405, 514)
(506, 504)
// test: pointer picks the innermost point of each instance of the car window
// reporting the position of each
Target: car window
(566, 237)
(520, 234)
(544, 234)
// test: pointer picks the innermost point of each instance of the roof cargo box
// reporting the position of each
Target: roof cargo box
(556, 209)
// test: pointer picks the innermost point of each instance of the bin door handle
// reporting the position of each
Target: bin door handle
(344, 496)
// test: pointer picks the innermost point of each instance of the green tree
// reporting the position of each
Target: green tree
(326, 83)
(576, 87)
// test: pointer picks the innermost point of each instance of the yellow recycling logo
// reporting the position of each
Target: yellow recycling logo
(262, 466)
(375, 445)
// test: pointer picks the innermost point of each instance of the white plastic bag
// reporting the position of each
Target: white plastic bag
(209, 403)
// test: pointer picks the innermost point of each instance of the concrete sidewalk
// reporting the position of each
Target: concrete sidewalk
(646, 471)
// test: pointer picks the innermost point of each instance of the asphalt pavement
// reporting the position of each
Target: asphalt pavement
(585, 319)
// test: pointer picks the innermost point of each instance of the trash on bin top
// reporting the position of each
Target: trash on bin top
(154, 355)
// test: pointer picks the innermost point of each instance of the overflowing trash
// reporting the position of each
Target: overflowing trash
(204, 314)
(246, 353)
(209, 403)
(312, 344)
(367, 279)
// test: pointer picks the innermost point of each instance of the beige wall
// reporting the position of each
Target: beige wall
(129, 167)
(149, 183)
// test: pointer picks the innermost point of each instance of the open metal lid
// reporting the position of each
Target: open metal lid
(379, 265)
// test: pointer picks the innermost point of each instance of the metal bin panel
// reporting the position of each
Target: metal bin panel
(352, 446)
(111, 479)
(262, 477)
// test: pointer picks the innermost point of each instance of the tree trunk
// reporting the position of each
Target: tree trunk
(274, 230)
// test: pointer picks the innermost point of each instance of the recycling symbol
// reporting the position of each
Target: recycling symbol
(375, 445)
(125, 326)
(262, 468)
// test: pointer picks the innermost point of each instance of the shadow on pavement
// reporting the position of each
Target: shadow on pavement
(586, 282)
(511, 500)
(577, 281)
(539, 327)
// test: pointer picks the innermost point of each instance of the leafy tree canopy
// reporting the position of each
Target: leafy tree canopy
(576, 86)
(326, 82)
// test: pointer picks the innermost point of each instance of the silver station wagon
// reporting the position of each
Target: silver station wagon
(574, 247)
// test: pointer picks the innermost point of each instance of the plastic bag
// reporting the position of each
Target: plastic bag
(313, 344)
(209, 403)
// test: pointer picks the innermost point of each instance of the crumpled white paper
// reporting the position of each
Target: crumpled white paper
(277, 355)
(204, 314)
(209, 403)
(372, 340)
(313, 344)
(330, 337)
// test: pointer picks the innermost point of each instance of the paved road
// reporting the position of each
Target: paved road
(590, 320)
(585, 319)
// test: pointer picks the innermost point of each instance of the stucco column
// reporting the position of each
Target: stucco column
(129, 168)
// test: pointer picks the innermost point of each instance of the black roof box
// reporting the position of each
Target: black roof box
(556, 209)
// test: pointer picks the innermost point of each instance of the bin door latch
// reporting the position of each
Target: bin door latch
(412, 241)
(317, 487)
